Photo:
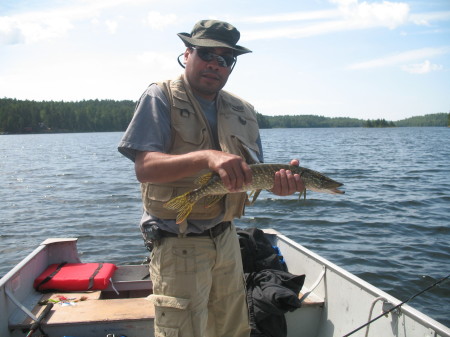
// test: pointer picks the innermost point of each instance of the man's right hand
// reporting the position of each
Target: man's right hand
(232, 169)
(160, 167)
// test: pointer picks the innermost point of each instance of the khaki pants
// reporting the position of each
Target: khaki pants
(198, 287)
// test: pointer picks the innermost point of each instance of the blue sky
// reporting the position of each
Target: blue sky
(334, 58)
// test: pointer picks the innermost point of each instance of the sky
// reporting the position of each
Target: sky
(334, 58)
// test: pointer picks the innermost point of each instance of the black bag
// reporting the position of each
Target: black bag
(270, 294)
(257, 251)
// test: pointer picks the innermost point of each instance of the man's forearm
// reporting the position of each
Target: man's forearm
(159, 167)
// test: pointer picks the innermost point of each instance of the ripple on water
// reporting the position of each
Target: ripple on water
(390, 228)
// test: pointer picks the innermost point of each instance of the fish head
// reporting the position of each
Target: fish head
(317, 182)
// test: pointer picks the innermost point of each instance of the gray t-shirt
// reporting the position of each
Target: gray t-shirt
(150, 130)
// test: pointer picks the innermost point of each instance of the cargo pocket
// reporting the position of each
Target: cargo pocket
(165, 332)
(185, 259)
(172, 315)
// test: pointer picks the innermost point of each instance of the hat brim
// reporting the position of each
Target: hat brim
(208, 43)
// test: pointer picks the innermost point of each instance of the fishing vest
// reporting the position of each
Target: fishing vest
(237, 132)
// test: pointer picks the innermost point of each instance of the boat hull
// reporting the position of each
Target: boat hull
(335, 301)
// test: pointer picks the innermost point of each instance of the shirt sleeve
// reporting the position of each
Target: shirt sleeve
(149, 129)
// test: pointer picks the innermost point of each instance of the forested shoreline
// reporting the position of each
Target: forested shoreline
(24, 116)
(18, 116)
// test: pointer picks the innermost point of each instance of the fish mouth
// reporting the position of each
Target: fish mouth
(330, 190)
(336, 191)
(334, 188)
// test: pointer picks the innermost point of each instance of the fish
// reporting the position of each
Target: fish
(263, 177)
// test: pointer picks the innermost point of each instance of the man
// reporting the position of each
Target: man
(180, 130)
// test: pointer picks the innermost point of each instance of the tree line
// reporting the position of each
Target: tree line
(312, 121)
(306, 121)
(24, 116)
(379, 123)
(18, 116)
(438, 119)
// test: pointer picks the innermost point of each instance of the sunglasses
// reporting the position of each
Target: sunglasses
(222, 60)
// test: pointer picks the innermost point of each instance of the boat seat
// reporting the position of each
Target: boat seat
(89, 308)
(311, 300)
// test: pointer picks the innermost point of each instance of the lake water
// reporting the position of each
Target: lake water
(391, 228)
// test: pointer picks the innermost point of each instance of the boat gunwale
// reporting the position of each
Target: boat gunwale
(405, 309)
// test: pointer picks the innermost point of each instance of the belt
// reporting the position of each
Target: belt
(212, 232)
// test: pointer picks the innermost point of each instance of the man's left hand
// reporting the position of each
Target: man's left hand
(287, 183)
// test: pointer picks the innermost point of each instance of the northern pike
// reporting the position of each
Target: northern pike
(211, 186)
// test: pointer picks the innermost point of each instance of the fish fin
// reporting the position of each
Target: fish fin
(211, 200)
(255, 194)
(183, 214)
(181, 205)
(203, 179)
(303, 192)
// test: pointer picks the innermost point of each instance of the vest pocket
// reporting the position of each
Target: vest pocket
(189, 134)
(159, 193)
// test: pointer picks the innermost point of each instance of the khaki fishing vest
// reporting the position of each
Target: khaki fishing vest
(237, 132)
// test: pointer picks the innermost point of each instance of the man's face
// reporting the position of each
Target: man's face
(207, 70)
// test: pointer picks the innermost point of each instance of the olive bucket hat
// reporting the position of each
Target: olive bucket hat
(214, 34)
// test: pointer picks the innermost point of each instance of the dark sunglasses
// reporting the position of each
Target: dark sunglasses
(222, 60)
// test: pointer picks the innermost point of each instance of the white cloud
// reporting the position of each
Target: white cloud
(385, 14)
(111, 25)
(425, 19)
(158, 21)
(10, 33)
(349, 15)
(32, 27)
(35, 26)
(422, 68)
(296, 16)
(399, 58)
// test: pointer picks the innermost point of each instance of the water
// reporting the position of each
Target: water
(391, 228)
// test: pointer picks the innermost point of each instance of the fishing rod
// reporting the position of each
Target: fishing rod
(398, 305)
(37, 324)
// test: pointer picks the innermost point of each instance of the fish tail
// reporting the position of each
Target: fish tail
(182, 205)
